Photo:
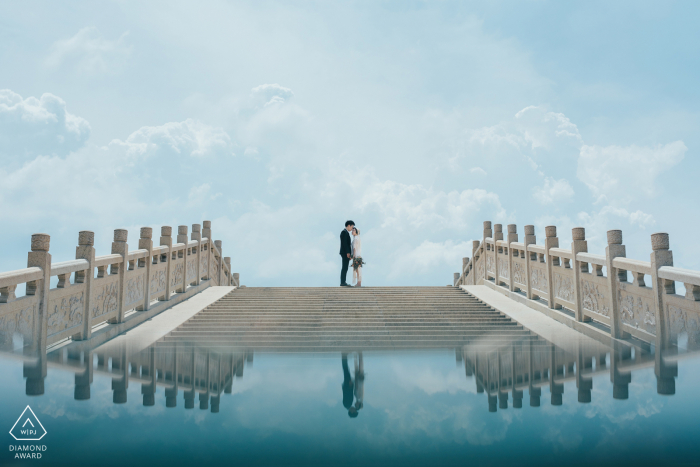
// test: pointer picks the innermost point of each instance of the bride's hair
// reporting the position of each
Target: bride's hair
(356, 230)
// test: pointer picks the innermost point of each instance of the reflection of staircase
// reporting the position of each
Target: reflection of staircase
(320, 319)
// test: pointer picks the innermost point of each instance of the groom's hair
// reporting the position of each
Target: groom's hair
(349, 223)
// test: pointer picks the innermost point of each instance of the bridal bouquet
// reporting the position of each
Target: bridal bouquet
(357, 262)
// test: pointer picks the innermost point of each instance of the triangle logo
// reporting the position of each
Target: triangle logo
(28, 427)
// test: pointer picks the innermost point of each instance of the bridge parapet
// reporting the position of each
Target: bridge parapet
(98, 290)
(591, 287)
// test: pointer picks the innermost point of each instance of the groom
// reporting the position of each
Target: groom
(345, 252)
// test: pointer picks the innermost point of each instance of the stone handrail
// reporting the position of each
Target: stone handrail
(573, 279)
(125, 280)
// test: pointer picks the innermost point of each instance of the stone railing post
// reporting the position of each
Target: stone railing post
(219, 261)
(551, 241)
(455, 280)
(197, 236)
(86, 250)
(236, 279)
(529, 239)
(665, 371)
(578, 245)
(497, 235)
(120, 247)
(465, 261)
(227, 261)
(488, 233)
(475, 248)
(614, 250)
(166, 239)
(206, 233)
(512, 237)
(182, 238)
(146, 243)
(40, 257)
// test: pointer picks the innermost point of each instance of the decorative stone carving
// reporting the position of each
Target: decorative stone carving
(40, 242)
(480, 270)
(637, 312)
(86, 238)
(176, 275)
(489, 264)
(65, 313)
(120, 235)
(659, 241)
(563, 287)
(157, 282)
(20, 321)
(204, 265)
(519, 274)
(191, 269)
(683, 321)
(538, 280)
(503, 268)
(593, 299)
(134, 289)
(105, 300)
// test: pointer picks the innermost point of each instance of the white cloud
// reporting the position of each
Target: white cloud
(270, 94)
(478, 171)
(619, 174)
(553, 191)
(31, 126)
(89, 52)
(189, 137)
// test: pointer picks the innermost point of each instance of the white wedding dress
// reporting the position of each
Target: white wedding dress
(356, 252)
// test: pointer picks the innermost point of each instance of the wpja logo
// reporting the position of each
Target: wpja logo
(28, 428)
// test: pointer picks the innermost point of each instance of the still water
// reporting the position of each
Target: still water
(491, 403)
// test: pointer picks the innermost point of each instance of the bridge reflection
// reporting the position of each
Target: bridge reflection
(503, 369)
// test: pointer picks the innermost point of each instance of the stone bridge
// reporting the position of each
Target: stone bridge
(520, 317)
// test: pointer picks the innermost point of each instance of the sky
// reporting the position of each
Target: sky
(279, 121)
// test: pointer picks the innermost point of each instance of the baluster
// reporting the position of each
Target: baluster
(166, 239)
(615, 249)
(86, 250)
(197, 236)
(578, 245)
(120, 247)
(551, 241)
(512, 237)
(182, 238)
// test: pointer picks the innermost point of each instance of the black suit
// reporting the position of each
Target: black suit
(345, 250)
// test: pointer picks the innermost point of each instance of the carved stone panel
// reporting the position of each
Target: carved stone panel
(489, 264)
(176, 275)
(106, 296)
(519, 273)
(480, 270)
(134, 289)
(503, 268)
(20, 321)
(65, 313)
(538, 280)
(684, 321)
(563, 287)
(157, 282)
(593, 298)
(191, 269)
(637, 311)
(204, 264)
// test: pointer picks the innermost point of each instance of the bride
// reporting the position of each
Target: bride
(357, 257)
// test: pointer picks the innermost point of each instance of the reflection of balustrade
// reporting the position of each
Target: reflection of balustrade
(532, 363)
(104, 288)
(194, 370)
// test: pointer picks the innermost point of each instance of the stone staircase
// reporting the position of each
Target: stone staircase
(330, 319)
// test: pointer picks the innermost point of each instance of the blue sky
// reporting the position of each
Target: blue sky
(280, 120)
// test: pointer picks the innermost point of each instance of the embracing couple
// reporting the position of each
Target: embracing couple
(351, 250)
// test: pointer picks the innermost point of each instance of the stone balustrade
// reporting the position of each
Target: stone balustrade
(94, 290)
(583, 287)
